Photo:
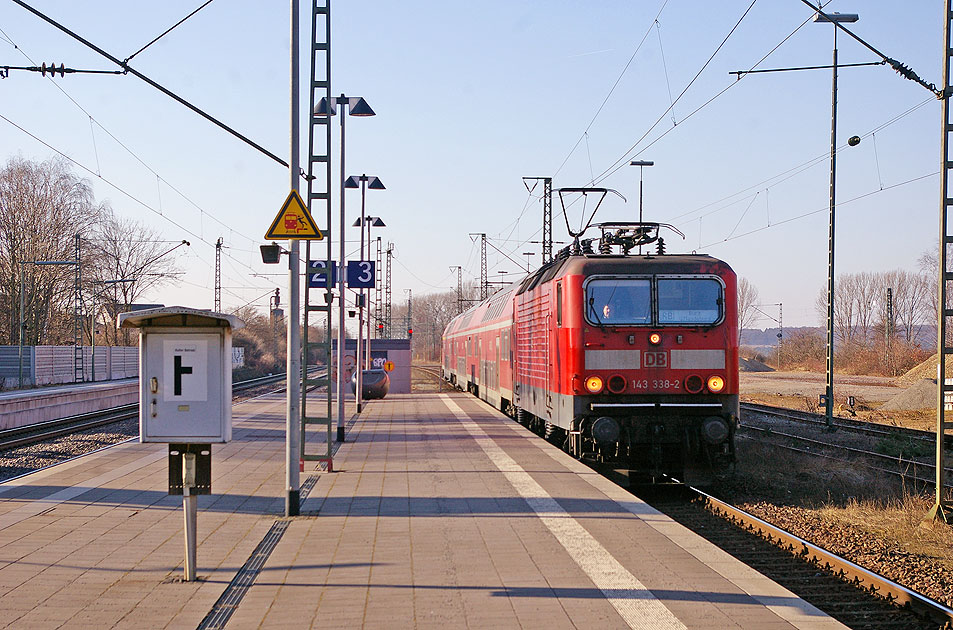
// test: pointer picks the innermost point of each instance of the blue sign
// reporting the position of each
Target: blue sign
(360, 274)
(317, 274)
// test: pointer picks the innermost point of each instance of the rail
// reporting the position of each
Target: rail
(877, 584)
(847, 424)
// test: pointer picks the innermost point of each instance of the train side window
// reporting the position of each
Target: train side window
(559, 304)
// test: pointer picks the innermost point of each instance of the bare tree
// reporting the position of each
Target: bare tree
(128, 259)
(911, 296)
(864, 288)
(42, 207)
(747, 302)
(929, 264)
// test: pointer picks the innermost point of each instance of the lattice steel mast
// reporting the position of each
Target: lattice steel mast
(943, 506)
(319, 198)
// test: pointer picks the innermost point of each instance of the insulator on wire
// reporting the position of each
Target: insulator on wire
(52, 69)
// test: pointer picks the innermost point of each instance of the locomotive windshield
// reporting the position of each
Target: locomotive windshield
(619, 301)
(689, 301)
(678, 301)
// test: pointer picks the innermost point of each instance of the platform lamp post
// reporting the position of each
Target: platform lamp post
(831, 18)
(38, 263)
(370, 222)
(641, 164)
(363, 182)
(356, 106)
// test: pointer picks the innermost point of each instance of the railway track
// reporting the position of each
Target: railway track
(845, 424)
(916, 466)
(39, 432)
(857, 597)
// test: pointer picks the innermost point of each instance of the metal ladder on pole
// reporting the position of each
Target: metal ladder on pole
(319, 198)
(943, 507)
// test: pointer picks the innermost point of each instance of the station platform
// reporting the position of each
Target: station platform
(441, 513)
(23, 407)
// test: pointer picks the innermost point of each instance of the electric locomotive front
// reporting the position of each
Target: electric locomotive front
(643, 357)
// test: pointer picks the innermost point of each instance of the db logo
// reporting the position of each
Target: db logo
(656, 359)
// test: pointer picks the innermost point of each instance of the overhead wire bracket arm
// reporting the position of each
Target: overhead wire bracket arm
(741, 73)
(127, 68)
(904, 71)
(53, 70)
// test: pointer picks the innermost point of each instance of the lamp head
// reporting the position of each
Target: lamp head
(270, 254)
(352, 182)
(374, 183)
(324, 108)
(357, 106)
(836, 17)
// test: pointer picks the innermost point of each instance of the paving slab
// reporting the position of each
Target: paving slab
(441, 513)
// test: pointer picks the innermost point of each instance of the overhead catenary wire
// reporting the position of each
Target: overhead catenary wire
(668, 84)
(612, 89)
(902, 69)
(116, 187)
(824, 209)
(623, 160)
(127, 68)
(793, 171)
(202, 212)
(167, 31)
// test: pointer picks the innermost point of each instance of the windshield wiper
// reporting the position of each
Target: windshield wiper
(592, 310)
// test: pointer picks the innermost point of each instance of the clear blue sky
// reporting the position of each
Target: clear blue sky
(470, 97)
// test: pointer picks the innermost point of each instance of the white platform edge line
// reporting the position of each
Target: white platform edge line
(636, 604)
(794, 610)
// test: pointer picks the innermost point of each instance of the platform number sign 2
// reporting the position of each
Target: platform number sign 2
(185, 370)
(360, 274)
(318, 277)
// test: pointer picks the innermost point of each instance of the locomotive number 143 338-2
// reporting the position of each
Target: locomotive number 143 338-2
(656, 383)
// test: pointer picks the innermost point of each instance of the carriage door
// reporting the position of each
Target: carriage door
(549, 364)
(556, 333)
(496, 366)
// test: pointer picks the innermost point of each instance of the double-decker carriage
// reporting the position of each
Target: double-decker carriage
(627, 360)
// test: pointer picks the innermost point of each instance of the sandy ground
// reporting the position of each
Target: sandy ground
(811, 384)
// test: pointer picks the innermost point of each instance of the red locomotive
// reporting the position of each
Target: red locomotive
(627, 360)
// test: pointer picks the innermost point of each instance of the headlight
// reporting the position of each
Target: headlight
(694, 384)
(594, 384)
(655, 339)
(616, 383)
(715, 384)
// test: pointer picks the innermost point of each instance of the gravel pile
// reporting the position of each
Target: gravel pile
(920, 395)
(19, 461)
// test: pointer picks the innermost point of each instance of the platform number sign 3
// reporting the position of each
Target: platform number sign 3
(185, 370)
(360, 274)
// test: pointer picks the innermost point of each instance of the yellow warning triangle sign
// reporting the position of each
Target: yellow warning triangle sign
(293, 221)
